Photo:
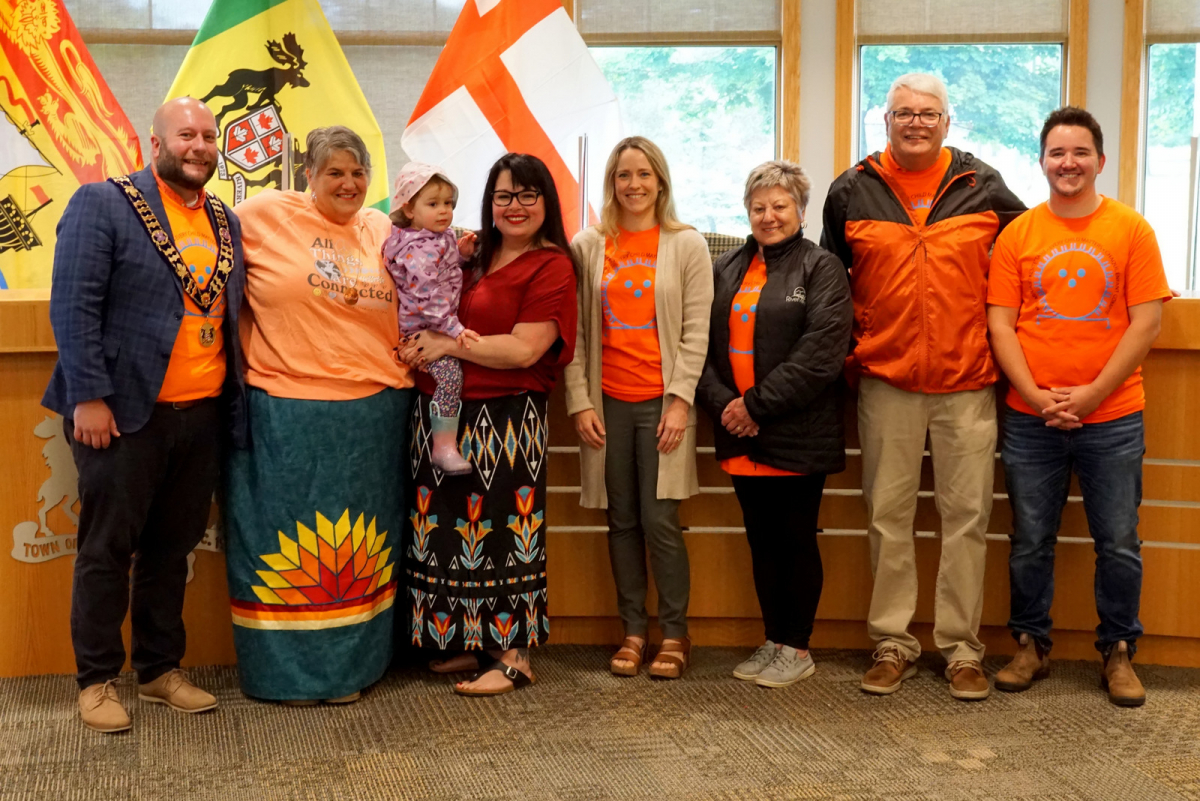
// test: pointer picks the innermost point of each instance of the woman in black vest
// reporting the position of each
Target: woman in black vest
(780, 332)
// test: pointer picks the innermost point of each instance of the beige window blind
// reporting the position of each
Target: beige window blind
(922, 20)
(678, 21)
(376, 17)
(1173, 19)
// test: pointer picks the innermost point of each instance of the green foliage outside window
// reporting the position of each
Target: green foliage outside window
(712, 112)
(999, 97)
(1172, 85)
(1169, 162)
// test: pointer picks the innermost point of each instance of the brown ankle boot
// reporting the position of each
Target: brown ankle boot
(1029, 665)
(1124, 688)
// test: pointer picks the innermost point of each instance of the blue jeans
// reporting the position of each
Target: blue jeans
(1038, 462)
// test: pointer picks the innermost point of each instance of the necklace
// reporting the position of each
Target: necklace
(350, 289)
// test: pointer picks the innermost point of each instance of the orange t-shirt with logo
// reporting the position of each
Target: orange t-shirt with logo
(1073, 281)
(742, 316)
(194, 371)
(920, 188)
(629, 350)
(320, 321)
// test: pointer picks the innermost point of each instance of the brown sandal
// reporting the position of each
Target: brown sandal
(676, 654)
(630, 652)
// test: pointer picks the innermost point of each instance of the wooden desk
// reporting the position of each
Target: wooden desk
(35, 595)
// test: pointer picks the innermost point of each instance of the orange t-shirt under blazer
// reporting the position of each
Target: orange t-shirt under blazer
(194, 371)
(629, 352)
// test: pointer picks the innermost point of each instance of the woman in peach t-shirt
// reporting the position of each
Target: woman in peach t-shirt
(643, 332)
(315, 505)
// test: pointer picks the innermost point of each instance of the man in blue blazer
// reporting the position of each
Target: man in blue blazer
(148, 279)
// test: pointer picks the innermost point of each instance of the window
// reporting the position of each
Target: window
(712, 112)
(1171, 194)
(999, 96)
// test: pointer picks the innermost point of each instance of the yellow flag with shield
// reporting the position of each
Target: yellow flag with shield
(268, 68)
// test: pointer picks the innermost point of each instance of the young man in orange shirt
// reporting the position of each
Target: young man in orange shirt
(1074, 303)
(147, 284)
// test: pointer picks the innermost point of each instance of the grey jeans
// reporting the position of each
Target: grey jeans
(639, 520)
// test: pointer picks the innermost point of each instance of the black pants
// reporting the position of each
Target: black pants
(148, 493)
(781, 525)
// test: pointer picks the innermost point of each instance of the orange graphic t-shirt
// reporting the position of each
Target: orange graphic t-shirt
(1073, 281)
(629, 352)
(920, 187)
(742, 316)
(194, 371)
(320, 321)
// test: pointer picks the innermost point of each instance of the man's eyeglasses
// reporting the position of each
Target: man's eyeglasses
(526, 197)
(927, 118)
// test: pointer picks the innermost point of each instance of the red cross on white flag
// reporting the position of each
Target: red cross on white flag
(514, 76)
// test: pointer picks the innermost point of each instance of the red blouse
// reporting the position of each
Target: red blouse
(535, 287)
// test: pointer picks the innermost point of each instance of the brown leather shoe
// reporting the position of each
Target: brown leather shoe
(888, 672)
(173, 689)
(967, 682)
(1124, 688)
(1027, 666)
(101, 709)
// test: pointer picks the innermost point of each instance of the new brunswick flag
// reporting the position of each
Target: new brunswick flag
(61, 127)
(267, 68)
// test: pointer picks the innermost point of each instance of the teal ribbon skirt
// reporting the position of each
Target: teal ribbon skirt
(314, 515)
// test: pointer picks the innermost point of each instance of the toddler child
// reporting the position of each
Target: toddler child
(426, 265)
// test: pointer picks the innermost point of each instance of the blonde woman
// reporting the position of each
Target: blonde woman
(644, 300)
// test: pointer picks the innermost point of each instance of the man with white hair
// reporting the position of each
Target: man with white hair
(914, 225)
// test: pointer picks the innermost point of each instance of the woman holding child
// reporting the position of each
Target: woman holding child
(475, 557)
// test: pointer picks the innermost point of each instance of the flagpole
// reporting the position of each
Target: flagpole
(285, 182)
(583, 187)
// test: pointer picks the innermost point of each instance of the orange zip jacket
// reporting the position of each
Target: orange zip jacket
(920, 291)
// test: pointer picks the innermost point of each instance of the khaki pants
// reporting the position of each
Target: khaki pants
(892, 425)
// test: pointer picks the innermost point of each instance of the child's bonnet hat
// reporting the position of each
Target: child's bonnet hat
(412, 179)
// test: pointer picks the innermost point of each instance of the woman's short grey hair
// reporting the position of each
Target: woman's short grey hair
(923, 83)
(791, 177)
(322, 143)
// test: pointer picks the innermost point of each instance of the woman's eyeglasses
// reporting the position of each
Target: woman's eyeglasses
(526, 197)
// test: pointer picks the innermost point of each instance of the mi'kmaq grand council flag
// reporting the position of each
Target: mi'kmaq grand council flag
(267, 68)
(514, 76)
(61, 128)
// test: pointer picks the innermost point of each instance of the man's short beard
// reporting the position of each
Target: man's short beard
(1074, 193)
(170, 169)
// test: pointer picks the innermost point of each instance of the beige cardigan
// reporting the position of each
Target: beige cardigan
(683, 293)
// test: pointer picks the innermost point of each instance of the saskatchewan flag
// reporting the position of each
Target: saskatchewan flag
(268, 68)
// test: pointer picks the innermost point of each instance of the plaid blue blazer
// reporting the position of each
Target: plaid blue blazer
(116, 308)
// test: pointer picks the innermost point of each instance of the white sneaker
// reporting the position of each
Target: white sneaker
(786, 668)
(749, 670)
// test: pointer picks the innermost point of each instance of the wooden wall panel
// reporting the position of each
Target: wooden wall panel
(35, 598)
(1172, 381)
(789, 81)
(722, 584)
(1133, 80)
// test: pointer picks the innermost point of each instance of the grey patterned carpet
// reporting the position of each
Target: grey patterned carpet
(583, 734)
